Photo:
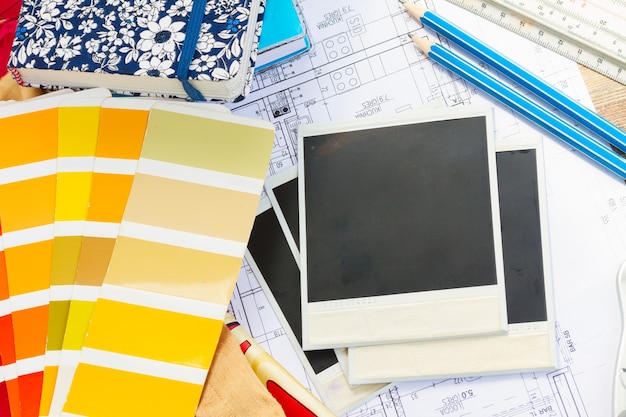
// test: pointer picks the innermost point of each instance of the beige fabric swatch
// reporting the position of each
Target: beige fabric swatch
(10, 90)
(232, 389)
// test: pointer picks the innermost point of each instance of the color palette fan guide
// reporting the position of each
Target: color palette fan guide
(124, 222)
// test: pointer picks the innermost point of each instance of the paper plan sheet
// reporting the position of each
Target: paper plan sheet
(361, 64)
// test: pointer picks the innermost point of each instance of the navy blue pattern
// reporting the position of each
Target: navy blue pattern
(138, 37)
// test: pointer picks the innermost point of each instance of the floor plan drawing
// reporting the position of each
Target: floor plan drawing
(362, 64)
(552, 394)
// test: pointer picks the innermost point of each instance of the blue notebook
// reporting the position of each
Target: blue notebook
(283, 34)
(140, 47)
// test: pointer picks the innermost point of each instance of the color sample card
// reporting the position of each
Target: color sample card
(180, 245)
(530, 343)
(272, 262)
(8, 375)
(400, 229)
(120, 132)
(120, 138)
(27, 202)
(28, 180)
(78, 121)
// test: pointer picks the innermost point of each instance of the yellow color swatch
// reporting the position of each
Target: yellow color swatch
(111, 392)
(193, 199)
(78, 123)
(150, 333)
(120, 137)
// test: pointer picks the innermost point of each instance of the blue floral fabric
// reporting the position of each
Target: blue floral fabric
(138, 37)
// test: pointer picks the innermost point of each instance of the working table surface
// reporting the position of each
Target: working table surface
(608, 96)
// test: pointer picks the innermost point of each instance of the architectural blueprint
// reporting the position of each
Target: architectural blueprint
(362, 64)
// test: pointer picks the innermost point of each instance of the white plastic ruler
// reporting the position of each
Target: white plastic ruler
(590, 32)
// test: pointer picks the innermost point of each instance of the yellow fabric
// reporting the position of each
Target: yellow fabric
(10, 90)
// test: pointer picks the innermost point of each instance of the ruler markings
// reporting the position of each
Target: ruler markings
(609, 17)
(565, 24)
(576, 35)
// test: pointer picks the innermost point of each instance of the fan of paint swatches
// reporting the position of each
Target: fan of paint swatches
(121, 131)
(78, 121)
(27, 206)
(180, 245)
(27, 201)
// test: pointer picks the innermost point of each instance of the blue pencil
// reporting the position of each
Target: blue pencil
(522, 105)
(586, 117)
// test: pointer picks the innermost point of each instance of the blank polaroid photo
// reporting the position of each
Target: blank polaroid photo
(530, 343)
(270, 258)
(400, 229)
(282, 191)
